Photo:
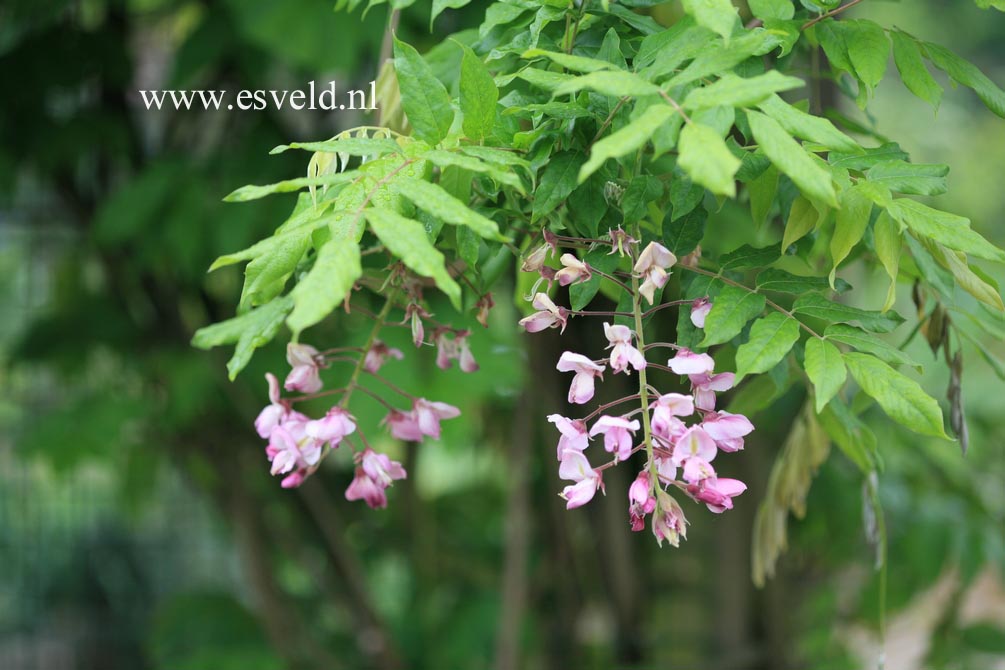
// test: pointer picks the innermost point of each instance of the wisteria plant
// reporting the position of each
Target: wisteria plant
(677, 181)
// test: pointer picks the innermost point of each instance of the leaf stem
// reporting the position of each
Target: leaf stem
(829, 14)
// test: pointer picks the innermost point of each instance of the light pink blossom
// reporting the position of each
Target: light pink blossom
(666, 409)
(697, 469)
(575, 467)
(699, 310)
(548, 315)
(428, 415)
(618, 435)
(665, 469)
(652, 265)
(582, 388)
(414, 314)
(641, 501)
(686, 362)
(403, 426)
(456, 348)
(380, 468)
(573, 270)
(304, 376)
(574, 435)
(623, 353)
(620, 241)
(705, 386)
(274, 413)
(378, 355)
(728, 430)
(286, 453)
(717, 493)
(695, 442)
(335, 425)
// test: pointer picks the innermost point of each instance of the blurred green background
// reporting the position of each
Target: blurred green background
(139, 527)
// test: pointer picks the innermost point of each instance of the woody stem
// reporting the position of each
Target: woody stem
(643, 384)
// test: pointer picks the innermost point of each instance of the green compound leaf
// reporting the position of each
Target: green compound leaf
(825, 368)
(407, 239)
(731, 310)
(771, 338)
(901, 398)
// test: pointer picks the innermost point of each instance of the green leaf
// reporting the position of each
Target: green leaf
(246, 193)
(849, 227)
(966, 73)
(812, 179)
(423, 97)
(350, 146)
(616, 84)
(441, 158)
(718, 56)
(320, 291)
(887, 240)
(771, 338)
(747, 256)
(266, 276)
(826, 370)
(852, 436)
(638, 194)
(479, 96)
(830, 34)
(435, 200)
(967, 279)
(803, 218)
(719, 16)
(781, 281)
(733, 91)
(440, 5)
(772, 9)
(807, 126)
(868, 50)
(731, 310)
(560, 177)
(947, 229)
(900, 397)
(683, 235)
(762, 192)
(569, 61)
(407, 239)
(817, 306)
(626, 140)
(863, 160)
(251, 330)
(707, 159)
(863, 341)
(912, 178)
(913, 72)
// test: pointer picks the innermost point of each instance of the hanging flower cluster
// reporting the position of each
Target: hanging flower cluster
(680, 434)
(297, 443)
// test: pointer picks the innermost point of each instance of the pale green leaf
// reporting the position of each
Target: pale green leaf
(826, 370)
(350, 146)
(266, 276)
(911, 178)
(246, 193)
(569, 61)
(863, 341)
(772, 9)
(762, 192)
(886, 237)
(251, 330)
(966, 73)
(423, 97)
(781, 281)
(947, 229)
(900, 397)
(771, 338)
(707, 159)
(803, 218)
(731, 310)
(808, 126)
(733, 91)
(719, 16)
(789, 157)
(479, 96)
(817, 306)
(435, 200)
(616, 84)
(320, 291)
(913, 71)
(628, 139)
(868, 50)
(494, 170)
(850, 224)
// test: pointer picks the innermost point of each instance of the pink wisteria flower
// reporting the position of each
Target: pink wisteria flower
(274, 413)
(428, 415)
(618, 435)
(728, 430)
(641, 501)
(666, 409)
(334, 426)
(548, 315)
(620, 241)
(374, 474)
(414, 314)
(378, 355)
(573, 270)
(697, 469)
(623, 353)
(705, 386)
(403, 426)
(582, 388)
(304, 376)
(717, 492)
(576, 468)
(456, 348)
(652, 265)
(669, 523)
(695, 442)
(287, 453)
(686, 362)
(574, 435)
(699, 310)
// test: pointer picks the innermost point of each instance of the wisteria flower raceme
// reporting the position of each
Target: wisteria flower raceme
(575, 467)
(623, 353)
(548, 315)
(728, 430)
(705, 386)
(378, 355)
(573, 270)
(618, 435)
(574, 434)
(699, 310)
(582, 388)
(304, 376)
(652, 265)
(686, 362)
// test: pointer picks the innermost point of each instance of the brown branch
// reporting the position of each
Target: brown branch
(829, 14)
